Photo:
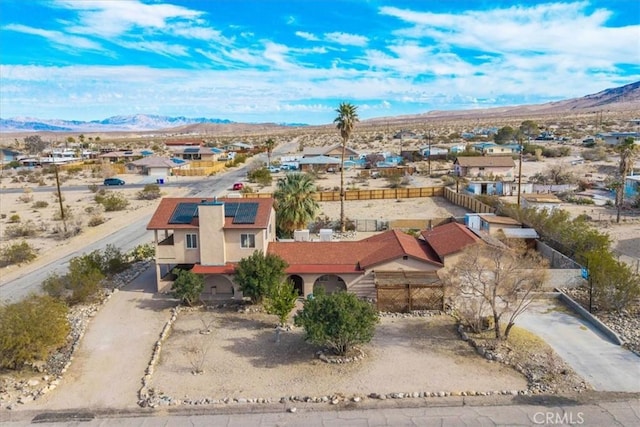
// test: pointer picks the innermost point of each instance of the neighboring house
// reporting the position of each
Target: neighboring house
(632, 187)
(498, 188)
(209, 236)
(448, 240)
(198, 153)
(431, 151)
(497, 166)
(615, 138)
(458, 148)
(238, 146)
(155, 166)
(319, 163)
(492, 224)
(333, 151)
(405, 134)
(118, 156)
(492, 149)
(540, 201)
(7, 155)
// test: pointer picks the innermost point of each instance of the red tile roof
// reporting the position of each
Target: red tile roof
(351, 256)
(449, 238)
(228, 268)
(162, 215)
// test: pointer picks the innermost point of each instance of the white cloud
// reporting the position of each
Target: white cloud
(160, 48)
(307, 36)
(56, 38)
(346, 39)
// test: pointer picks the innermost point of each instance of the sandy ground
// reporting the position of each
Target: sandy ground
(243, 360)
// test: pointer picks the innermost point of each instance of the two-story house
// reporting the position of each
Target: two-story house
(209, 236)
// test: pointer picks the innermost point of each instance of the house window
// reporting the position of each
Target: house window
(192, 241)
(247, 240)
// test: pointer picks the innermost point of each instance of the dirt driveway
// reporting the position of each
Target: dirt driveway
(244, 361)
(108, 366)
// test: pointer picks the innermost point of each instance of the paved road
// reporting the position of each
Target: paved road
(625, 413)
(606, 366)
(126, 238)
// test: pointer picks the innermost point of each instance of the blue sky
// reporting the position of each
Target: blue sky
(295, 61)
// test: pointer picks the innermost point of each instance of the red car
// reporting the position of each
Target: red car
(238, 186)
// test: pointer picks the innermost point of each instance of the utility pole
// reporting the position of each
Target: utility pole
(519, 172)
(428, 137)
(64, 221)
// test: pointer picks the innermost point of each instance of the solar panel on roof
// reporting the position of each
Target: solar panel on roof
(246, 213)
(230, 209)
(184, 213)
(192, 150)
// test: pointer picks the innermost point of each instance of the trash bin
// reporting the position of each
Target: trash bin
(160, 180)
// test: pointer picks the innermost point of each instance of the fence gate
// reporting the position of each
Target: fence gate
(406, 291)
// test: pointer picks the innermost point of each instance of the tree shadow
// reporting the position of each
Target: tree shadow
(546, 400)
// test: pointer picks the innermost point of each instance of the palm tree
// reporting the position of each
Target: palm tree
(345, 122)
(268, 145)
(627, 150)
(294, 202)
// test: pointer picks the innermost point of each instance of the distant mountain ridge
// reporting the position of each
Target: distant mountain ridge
(627, 97)
(137, 122)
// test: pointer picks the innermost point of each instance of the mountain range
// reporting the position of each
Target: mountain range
(623, 97)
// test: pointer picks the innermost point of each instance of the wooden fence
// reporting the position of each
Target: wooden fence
(408, 297)
(201, 169)
(375, 194)
(467, 202)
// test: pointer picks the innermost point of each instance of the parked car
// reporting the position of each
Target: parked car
(113, 181)
(238, 186)
(274, 169)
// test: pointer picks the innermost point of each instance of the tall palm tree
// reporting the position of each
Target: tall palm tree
(294, 202)
(268, 145)
(345, 122)
(627, 150)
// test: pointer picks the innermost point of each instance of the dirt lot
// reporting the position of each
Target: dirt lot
(244, 361)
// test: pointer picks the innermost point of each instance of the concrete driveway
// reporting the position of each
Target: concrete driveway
(108, 366)
(606, 366)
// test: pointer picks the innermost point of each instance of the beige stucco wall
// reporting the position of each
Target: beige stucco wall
(232, 243)
(182, 254)
(212, 248)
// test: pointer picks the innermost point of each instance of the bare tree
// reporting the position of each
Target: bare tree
(495, 281)
(196, 355)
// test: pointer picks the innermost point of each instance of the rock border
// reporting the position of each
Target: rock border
(150, 398)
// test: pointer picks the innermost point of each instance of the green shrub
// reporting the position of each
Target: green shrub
(112, 201)
(260, 176)
(339, 321)
(17, 253)
(188, 286)
(93, 188)
(25, 229)
(40, 204)
(96, 220)
(144, 252)
(31, 329)
(14, 218)
(150, 192)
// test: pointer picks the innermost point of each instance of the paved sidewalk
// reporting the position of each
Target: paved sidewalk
(108, 366)
(558, 411)
(603, 364)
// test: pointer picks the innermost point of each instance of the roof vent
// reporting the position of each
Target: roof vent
(301, 235)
